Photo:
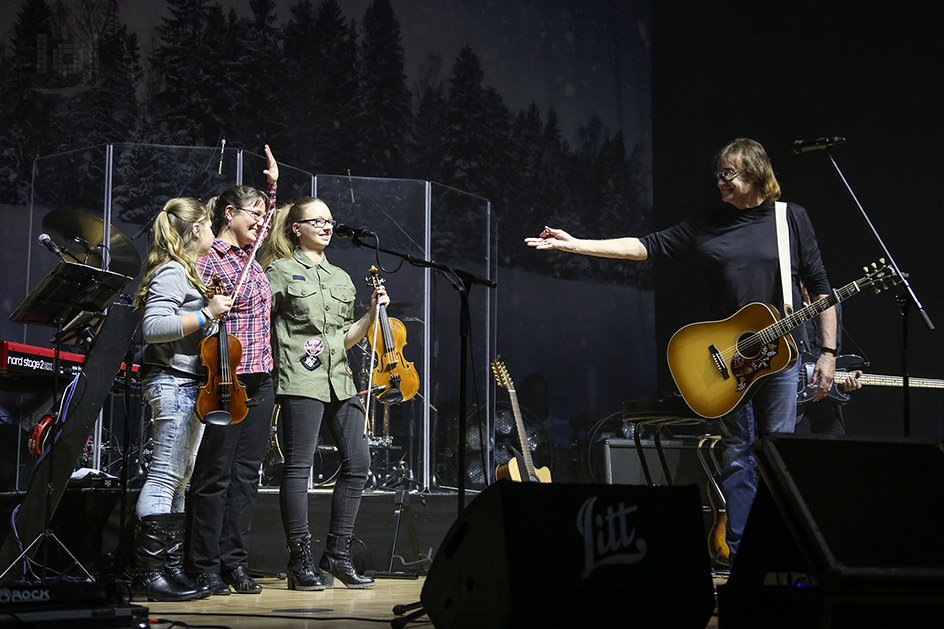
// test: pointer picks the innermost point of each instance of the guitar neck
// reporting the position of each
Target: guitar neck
(899, 381)
(522, 434)
(806, 313)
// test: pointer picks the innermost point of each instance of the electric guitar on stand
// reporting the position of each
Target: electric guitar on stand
(715, 363)
(520, 468)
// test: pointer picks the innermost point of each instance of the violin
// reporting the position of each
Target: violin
(222, 400)
(394, 379)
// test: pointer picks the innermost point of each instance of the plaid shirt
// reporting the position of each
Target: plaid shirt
(248, 321)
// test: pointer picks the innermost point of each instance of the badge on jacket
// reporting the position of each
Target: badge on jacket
(313, 347)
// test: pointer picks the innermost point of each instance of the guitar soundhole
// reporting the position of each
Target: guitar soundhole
(748, 345)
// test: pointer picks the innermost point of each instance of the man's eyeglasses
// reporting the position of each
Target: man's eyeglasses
(728, 174)
(319, 222)
(259, 216)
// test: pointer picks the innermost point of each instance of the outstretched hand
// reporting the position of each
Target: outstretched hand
(552, 238)
(272, 169)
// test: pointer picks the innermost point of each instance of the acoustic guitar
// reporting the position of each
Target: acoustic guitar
(715, 364)
(848, 363)
(521, 467)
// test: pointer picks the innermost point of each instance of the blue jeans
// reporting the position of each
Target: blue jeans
(772, 409)
(175, 433)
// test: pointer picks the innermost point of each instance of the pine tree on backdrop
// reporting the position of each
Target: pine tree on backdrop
(384, 102)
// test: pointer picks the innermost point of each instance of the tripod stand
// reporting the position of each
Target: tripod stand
(70, 288)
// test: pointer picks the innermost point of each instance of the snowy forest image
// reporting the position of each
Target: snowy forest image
(328, 91)
(538, 110)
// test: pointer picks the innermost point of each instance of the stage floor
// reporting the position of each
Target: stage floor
(279, 607)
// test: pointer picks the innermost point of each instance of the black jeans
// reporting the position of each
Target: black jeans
(224, 484)
(300, 421)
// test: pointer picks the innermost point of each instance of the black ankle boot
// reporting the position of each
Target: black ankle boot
(336, 562)
(151, 579)
(301, 568)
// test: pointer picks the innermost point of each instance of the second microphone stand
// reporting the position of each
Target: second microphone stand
(462, 282)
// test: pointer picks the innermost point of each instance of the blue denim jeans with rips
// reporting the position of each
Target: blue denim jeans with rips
(175, 432)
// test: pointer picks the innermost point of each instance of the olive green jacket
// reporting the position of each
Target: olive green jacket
(312, 309)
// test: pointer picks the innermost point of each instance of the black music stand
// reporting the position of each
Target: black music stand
(70, 289)
(69, 294)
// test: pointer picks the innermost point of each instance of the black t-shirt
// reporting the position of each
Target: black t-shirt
(738, 251)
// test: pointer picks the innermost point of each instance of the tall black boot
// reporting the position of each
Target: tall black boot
(150, 577)
(301, 567)
(336, 562)
(174, 571)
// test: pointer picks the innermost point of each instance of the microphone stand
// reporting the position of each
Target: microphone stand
(904, 299)
(462, 281)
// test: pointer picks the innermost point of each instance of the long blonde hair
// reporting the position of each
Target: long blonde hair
(282, 240)
(174, 240)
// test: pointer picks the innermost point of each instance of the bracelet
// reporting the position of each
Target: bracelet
(206, 313)
(827, 350)
(201, 322)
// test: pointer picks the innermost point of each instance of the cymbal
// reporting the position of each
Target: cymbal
(80, 234)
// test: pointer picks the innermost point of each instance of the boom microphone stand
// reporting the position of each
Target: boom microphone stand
(905, 298)
(462, 281)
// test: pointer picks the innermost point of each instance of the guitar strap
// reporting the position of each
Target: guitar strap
(783, 246)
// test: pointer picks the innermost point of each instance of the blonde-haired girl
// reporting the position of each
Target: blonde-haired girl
(177, 313)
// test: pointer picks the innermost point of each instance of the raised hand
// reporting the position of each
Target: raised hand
(272, 170)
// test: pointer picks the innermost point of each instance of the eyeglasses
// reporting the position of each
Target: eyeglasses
(319, 222)
(728, 174)
(259, 216)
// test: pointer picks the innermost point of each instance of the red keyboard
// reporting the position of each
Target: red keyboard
(19, 359)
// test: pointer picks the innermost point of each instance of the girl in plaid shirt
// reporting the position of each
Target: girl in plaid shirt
(226, 474)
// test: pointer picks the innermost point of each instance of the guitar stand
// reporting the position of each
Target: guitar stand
(402, 504)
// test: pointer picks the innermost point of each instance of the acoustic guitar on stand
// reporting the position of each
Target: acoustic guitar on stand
(520, 468)
(715, 363)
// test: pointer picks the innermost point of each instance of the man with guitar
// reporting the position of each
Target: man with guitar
(737, 247)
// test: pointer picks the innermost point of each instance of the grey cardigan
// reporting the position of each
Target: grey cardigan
(171, 296)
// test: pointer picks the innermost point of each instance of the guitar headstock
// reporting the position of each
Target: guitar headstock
(501, 374)
(374, 279)
(879, 276)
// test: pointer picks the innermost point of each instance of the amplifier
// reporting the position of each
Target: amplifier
(617, 462)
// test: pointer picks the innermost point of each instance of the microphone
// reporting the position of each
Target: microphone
(219, 171)
(346, 231)
(47, 242)
(804, 146)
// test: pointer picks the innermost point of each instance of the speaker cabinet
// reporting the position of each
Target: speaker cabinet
(558, 555)
(843, 533)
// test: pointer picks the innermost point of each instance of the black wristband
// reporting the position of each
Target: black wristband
(827, 350)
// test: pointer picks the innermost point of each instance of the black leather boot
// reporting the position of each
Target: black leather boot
(174, 571)
(336, 562)
(301, 567)
(151, 577)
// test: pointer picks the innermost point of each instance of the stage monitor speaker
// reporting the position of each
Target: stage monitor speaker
(843, 532)
(559, 555)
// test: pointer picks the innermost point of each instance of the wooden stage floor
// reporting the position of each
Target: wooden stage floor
(278, 607)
